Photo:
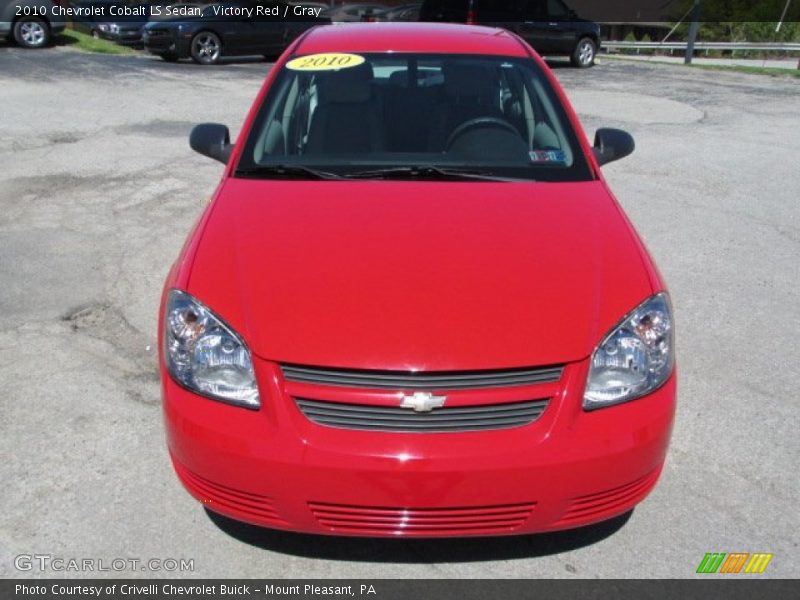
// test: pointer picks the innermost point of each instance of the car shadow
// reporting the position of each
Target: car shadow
(58, 40)
(559, 63)
(63, 40)
(188, 62)
(434, 550)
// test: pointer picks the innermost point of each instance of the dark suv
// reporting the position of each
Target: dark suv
(550, 26)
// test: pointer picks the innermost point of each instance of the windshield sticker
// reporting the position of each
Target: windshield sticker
(325, 62)
(547, 156)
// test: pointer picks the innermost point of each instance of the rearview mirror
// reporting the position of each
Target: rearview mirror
(212, 140)
(611, 145)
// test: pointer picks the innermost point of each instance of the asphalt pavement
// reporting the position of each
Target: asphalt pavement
(98, 189)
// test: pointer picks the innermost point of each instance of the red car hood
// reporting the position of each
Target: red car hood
(418, 275)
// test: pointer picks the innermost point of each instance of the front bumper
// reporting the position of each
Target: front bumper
(123, 37)
(274, 467)
(167, 41)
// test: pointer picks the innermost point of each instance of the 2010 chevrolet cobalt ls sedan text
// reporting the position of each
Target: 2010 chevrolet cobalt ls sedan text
(413, 307)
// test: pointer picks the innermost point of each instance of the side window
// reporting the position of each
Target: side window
(272, 141)
(535, 10)
(499, 10)
(285, 129)
(307, 103)
(548, 131)
(557, 11)
(515, 103)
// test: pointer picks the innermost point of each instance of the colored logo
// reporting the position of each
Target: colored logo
(734, 562)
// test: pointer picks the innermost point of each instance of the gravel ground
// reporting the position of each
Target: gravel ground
(98, 189)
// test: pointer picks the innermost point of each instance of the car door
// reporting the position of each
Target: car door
(235, 30)
(271, 32)
(535, 27)
(500, 13)
(561, 27)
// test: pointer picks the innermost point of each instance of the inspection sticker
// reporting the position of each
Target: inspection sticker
(547, 156)
(325, 62)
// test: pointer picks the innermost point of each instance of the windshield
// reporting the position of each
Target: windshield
(431, 115)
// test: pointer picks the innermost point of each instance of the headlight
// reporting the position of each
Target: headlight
(635, 358)
(205, 355)
(103, 27)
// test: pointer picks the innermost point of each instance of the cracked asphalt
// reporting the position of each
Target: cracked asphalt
(98, 189)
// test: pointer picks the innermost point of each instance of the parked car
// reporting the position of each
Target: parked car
(30, 23)
(405, 12)
(101, 24)
(208, 38)
(550, 26)
(413, 306)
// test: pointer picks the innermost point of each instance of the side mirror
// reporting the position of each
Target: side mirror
(212, 140)
(611, 145)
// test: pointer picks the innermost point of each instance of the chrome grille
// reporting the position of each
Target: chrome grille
(431, 380)
(390, 418)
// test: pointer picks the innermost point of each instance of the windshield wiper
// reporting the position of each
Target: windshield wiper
(431, 173)
(286, 172)
(414, 172)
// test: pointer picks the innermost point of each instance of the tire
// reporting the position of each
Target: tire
(584, 54)
(206, 48)
(30, 32)
(169, 57)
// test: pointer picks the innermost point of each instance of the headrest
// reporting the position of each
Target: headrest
(348, 85)
(465, 79)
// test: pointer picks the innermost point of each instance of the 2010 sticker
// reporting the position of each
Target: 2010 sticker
(328, 61)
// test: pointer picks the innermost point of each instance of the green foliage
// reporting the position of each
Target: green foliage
(750, 31)
(87, 43)
(741, 20)
(629, 38)
(738, 11)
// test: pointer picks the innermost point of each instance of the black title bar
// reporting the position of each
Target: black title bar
(728, 588)
(606, 11)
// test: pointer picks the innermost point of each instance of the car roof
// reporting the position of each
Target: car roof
(434, 38)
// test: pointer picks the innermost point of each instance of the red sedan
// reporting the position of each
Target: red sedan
(413, 307)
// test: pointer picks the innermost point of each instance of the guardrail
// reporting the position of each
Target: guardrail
(766, 47)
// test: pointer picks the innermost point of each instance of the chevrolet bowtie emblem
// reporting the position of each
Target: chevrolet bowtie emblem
(423, 401)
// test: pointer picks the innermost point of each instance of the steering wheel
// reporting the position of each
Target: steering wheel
(479, 122)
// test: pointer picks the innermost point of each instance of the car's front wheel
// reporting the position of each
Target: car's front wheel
(584, 53)
(30, 32)
(206, 48)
